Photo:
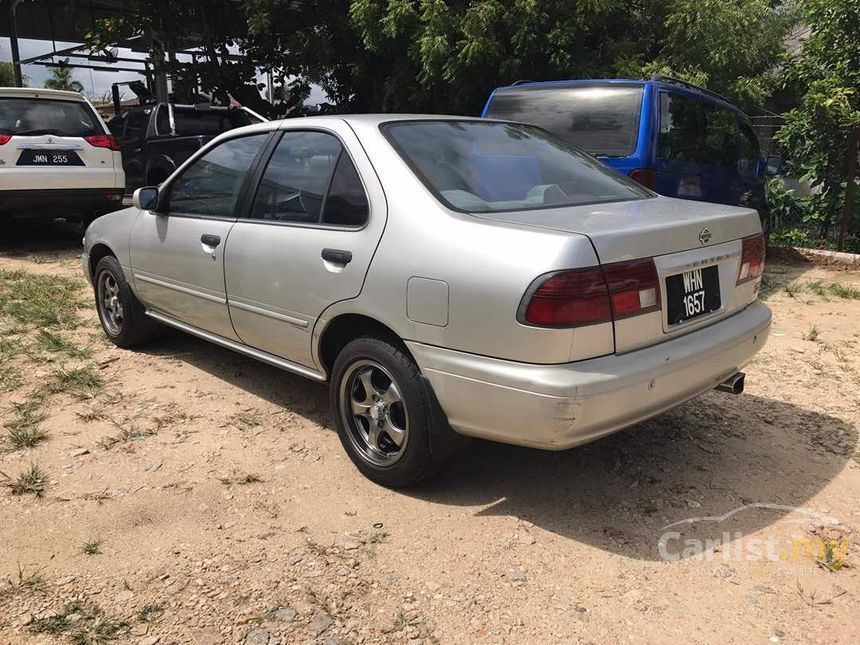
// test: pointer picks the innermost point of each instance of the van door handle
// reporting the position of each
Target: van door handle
(337, 255)
(210, 240)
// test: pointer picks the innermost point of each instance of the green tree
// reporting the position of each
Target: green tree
(7, 74)
(821, 136)
(61, 79)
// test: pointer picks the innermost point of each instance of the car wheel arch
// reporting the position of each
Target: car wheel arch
(97, 252)
(346, 327)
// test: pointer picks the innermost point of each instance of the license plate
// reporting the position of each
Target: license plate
(692, 294)
(49, 158)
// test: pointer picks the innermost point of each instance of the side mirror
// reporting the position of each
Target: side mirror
(773, 166)
(146, 198)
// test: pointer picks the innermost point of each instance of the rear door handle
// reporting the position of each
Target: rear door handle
(210, 240)
(337, 255)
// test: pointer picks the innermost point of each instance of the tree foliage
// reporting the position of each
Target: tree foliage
(822, 134)
(62, 79)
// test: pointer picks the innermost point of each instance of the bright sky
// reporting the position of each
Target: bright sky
(94, 82)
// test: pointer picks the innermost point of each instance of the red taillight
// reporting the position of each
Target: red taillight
(103, 141)
(752, 258)
(645, 176)
(5, 138)
(594, 295)
(570, 299)
(633, 287)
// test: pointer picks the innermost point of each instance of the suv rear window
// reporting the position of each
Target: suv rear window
(486, 166)
(189, 121)
(26, 116)
(599, 118)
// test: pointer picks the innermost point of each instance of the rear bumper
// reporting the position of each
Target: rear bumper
(560, 406)
(50, 203)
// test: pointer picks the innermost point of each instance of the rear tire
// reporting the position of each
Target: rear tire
(383, 411)
(121, 314)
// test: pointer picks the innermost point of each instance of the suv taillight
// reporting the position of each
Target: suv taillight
(103, 141)
(752, 258)
(5, 138)
(592, 295)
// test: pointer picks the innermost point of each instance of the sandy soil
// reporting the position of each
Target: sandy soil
(223, 508)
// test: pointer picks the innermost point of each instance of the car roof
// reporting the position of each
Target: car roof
(374, 119)
(40, 93)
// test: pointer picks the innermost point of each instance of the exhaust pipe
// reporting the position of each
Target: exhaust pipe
(733, 385)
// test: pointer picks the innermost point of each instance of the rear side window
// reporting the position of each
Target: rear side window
(210, 186)
(696, 131)
(600, 119)
(189, 121)
(310, 179)
(25, 116)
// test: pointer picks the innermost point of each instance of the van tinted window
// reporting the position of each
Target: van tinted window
(599, 118)
(696, 131)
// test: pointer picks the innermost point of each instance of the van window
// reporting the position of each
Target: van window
(695, 131)
(598, 118)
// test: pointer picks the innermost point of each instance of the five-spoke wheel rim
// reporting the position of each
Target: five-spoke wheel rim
(110, 306)
(374, 412)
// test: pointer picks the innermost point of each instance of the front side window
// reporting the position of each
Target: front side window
(602, 119)
(311, 180)
(32, 117)
(695, 131)
(485, 166)
(210, 186)
(190, 121)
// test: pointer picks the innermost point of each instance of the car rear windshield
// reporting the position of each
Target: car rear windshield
(189, 121)
(486, 166)
(601, 119)
(26, 116)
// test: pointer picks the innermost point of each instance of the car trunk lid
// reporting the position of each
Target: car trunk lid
(696, 249)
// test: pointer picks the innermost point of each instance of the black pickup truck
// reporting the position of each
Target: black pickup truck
(155, 138)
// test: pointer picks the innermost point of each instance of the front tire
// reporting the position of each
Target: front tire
(383, 412)
(121, 314)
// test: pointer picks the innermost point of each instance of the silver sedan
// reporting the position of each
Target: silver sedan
(447, 276)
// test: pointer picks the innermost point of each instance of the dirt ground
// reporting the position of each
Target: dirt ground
(185, 494)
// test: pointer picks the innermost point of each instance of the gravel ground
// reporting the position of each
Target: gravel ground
(190, 495)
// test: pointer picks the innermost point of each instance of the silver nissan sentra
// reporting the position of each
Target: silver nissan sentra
(447, 276)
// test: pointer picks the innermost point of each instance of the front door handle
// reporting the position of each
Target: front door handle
(210, 240)
(337, 255)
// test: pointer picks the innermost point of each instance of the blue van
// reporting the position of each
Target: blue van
(676, 138)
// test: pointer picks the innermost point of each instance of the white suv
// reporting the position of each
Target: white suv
(57, 158)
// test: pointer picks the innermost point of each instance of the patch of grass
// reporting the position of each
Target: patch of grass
(147, 613)
(91, 547)
(33, 581)
(90, 415)
(10, 377)
(123, 436)
(172, 418)
(23, 427)
(238, 477)
(817, 287)
(82, 382)
(54, 343)
(39, 300)
(91, 627)
(244, 420)
(10, 348)
(812, 335)
(844, 291)
(791, 289)
(32, 480)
